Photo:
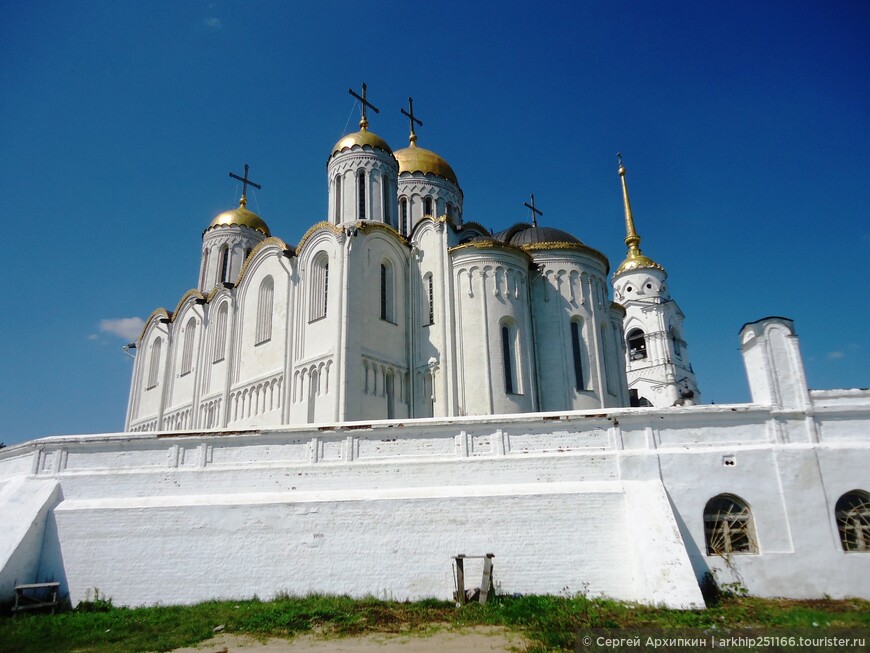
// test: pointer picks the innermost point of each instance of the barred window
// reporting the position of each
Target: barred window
(728, 526)
(264, 310)
(403, 207)
(429, 308)
(853, 520)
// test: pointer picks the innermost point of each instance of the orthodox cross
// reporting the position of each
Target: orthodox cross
(245, 183)
(412, 118)
(363, 123)
(535, 212)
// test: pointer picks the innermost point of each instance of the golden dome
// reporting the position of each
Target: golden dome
(417, 159)
(637, 262)
(240, 217)
(362, 138)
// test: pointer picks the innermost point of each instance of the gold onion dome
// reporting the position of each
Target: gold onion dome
(241, 217)
(417, 159)
(362, 138)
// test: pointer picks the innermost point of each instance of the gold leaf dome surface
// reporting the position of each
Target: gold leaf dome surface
(241, 217)
(418, 159)
(362, 138)
(637, 262)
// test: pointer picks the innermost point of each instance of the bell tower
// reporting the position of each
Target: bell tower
(657, 359)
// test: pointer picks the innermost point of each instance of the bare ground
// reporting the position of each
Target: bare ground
(467, 640)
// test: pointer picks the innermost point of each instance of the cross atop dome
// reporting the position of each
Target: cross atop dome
(245, 183)
(363, 123)
(413, 119)
(535, 211)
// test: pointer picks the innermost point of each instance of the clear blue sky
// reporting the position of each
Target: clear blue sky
(745, 129)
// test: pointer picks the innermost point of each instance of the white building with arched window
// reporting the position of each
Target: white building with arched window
(404, 381)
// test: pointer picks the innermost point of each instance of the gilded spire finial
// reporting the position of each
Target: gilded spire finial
(364, 123)
(413, 119)
(634, 260)
(632, 240)
(245, 183)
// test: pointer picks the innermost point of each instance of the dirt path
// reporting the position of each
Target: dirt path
(468, 640)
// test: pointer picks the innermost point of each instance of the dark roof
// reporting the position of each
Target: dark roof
(523, 233)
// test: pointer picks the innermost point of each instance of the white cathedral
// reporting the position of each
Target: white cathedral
(397, 308)
(402, 386)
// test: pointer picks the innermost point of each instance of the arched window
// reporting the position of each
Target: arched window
(577, 351)
(154, 364)
(427, 206)
(220, 334)
(319, 292)
(509, 358)
(387, 291)
(608, 360)
(429, 305)
(337, 198)
(449, 210)
(728, 526)
(385, 199)
(361, 183)
(264, 310)
(204, 267)
(853, 520)
(403, 207)
(187, 351)
(390, 392)
(676, 342)
(224, 267)
(636, 345)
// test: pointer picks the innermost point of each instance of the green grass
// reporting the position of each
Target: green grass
(550, 622)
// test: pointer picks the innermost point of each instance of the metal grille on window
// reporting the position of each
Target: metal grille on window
(853, 520)
(728, 526)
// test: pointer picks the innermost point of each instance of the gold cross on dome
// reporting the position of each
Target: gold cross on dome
(535, 212)
(245, 183)
(363, 123)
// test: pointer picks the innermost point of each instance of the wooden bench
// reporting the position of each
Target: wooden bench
(32, 596)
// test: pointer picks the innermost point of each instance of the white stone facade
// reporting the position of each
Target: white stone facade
(403, 386)
(611, 502)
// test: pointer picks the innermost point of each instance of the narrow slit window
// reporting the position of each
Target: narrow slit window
(576, 347)
(224, 264)
(187, 351)
(220, 335)
(508, 360)
(337, 199)
(154, 364)
(319, 291)
(387, 291)
(264, 311)
(361, 182)
(427, 206)
(403, 205)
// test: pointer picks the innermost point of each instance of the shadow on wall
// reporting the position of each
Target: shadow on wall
(696, 556)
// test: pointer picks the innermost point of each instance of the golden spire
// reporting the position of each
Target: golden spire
(632, 240)
(634, 259)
